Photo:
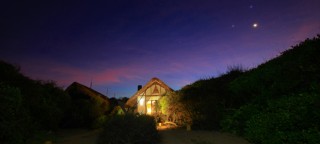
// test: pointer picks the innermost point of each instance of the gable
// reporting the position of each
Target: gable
(154, 88)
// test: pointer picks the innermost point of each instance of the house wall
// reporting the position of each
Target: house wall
(153, 93)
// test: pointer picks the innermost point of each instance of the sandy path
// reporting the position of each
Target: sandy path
(181, 136)
(173, 136)
(77, 136)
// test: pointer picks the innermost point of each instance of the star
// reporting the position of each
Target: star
(251, 6)
(255, 25)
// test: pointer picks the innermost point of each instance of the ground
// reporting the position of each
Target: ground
(77, 136)
(181, 136)
(168, 136)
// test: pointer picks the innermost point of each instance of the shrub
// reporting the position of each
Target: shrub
(174, 110)
(236, 121)
(291, 119)
(129, 129)
(207, 100)
(15, 122)
(98, 123)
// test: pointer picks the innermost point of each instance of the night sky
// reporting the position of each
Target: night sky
(119, 44)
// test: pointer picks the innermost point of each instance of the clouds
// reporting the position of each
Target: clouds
(307, 29)
(66, 74)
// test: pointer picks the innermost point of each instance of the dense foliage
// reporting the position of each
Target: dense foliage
(28, 106)
(15, 121)
(277, 102)
(291, 119)
(206, 101)
(173, 109)
(285, 98)
(129, 129)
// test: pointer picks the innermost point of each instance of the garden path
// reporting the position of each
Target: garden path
(181, 136)
(168, 136)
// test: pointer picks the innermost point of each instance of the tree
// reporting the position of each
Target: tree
(173, 109)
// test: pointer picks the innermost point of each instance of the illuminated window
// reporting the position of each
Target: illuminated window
(141, 102)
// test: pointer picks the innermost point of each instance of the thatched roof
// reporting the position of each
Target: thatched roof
(78, 90)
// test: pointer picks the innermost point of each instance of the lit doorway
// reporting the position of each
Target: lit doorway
(152, 107)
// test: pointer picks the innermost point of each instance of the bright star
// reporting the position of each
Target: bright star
(255, 25)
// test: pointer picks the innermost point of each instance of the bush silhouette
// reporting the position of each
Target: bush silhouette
(291, 119)
(129, 129)
(283, 98)
(28, 106)
(15, 121)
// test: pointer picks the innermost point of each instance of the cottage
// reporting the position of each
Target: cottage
(146, 99)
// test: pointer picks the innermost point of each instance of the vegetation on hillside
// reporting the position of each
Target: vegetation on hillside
(277, 102)
(285, 98)
(202, 104)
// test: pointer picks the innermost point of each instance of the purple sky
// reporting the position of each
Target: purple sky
(119, 44)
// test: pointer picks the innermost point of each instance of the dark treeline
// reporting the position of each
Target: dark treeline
(31, 108)
(28, 106)
(277, 102)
